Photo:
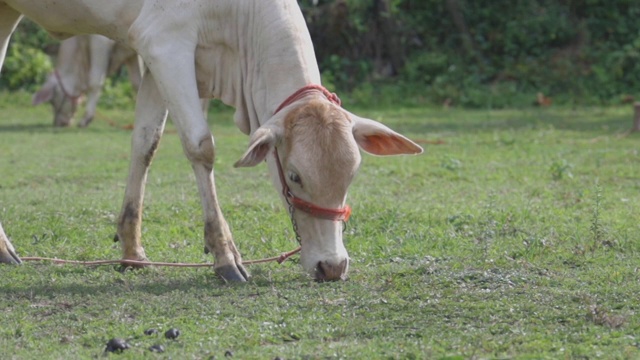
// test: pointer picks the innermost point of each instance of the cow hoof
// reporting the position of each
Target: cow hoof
(127, 266)
(10, 258)
(231, 273)
(8, 254)
(85, 122)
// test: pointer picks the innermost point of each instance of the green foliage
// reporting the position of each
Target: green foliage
(583, 51)
(32, 35)
(25, 68)
(479, 54)
(26, 65)
(117, 93)
(343, 73)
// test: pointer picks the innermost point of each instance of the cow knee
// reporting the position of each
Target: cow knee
(201, 152)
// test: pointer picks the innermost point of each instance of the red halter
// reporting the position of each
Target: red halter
(67, 95)
(340, 214)
(306, 90)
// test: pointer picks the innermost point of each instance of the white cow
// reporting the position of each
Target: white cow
(82, 65)
(256, 56)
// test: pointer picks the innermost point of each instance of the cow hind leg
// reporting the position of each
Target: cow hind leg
(151, 115)
(9, 19)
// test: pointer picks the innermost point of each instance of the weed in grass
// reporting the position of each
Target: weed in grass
(600, 316)
(488, 228)
(596, 227)
(561, 169)
(534, 246)
(503, 138)
(461, 223)
(451, 164)
(597, 231)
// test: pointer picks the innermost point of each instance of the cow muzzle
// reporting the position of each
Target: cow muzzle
(327, 271)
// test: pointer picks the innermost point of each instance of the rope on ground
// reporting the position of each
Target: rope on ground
(280, 259)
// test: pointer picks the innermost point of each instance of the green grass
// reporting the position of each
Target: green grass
(516, 237)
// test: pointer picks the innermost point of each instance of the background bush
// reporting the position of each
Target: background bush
(27, 63)
(457, 52)
(480, 53)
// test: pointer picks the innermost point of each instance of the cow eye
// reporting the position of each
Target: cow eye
(295, 178)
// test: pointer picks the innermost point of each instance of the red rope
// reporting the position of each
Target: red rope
(340, 214)
(304, 91)
(73, 98)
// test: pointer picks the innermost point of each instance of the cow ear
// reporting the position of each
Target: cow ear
(378, 139)
(262, 142)
(45, 93)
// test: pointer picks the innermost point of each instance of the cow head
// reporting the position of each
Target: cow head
(64, 104)
(317, 143)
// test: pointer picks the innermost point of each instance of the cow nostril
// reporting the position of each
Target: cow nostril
(321, 275)
(326, 271)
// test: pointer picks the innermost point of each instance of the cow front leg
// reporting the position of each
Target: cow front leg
(172, 63)
(199, 148)
(217, 235)
(7, 252)
(151, 115)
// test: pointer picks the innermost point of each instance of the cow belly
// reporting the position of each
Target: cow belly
(61, 18)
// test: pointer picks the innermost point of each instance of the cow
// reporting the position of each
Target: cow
(82, 65)
(256, 56)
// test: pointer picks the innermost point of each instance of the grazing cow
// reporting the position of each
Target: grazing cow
(83, 63)
(256, 56)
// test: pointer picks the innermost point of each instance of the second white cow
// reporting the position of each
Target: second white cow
(82, 65)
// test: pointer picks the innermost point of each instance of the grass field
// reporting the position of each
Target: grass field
(514, 236)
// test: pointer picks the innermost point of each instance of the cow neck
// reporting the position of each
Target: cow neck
(294, 202)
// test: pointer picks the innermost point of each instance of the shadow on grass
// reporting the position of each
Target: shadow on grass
(26, 128)
(74, 281)
(49, 129)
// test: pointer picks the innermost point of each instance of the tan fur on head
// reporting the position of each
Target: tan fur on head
(323, 128)
(315, 117)
(320, 133)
